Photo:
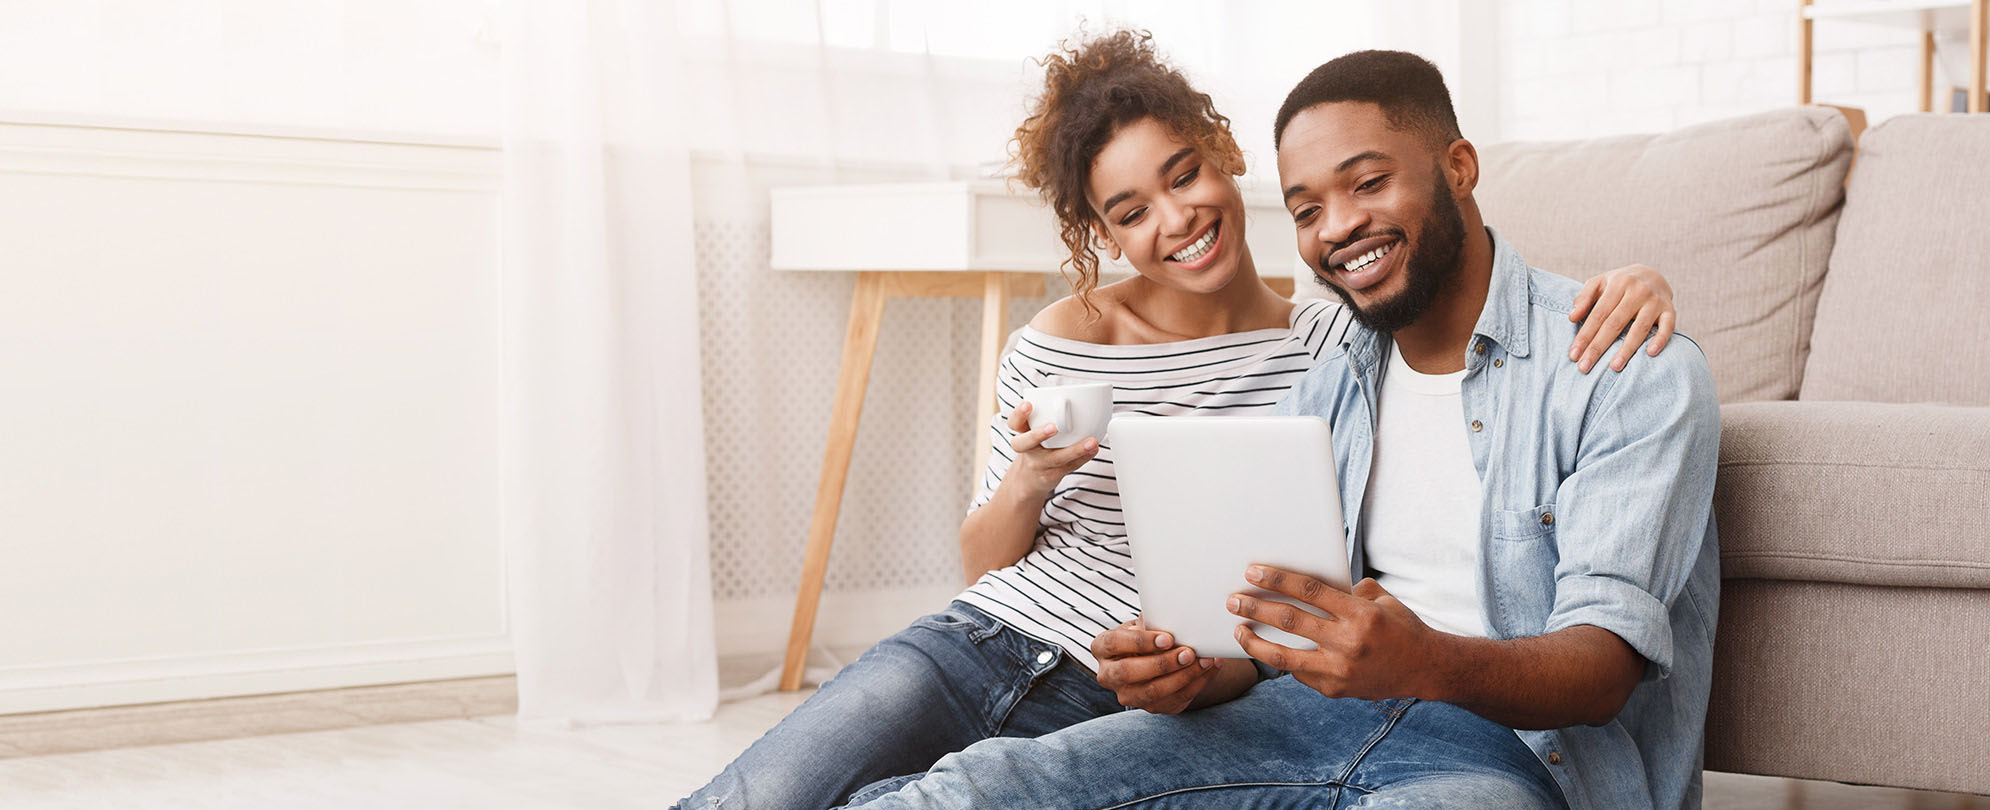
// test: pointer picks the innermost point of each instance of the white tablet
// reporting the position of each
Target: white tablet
(1206, 497)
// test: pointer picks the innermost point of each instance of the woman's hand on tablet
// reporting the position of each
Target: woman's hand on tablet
(1147, 671)
(1038, 468)
(1372, 646)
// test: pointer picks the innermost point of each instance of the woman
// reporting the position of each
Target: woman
(1134, 160)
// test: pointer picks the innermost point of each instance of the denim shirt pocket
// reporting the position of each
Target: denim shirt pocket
(1521, 569)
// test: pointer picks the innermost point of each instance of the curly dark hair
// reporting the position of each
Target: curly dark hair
(1091, 88)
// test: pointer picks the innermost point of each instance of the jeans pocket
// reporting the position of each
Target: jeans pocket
(1393, 707)
(949, 619)
(959, 618)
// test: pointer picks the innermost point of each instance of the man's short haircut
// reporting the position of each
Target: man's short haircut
(1407, 87)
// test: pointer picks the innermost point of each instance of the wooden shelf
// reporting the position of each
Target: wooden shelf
(1938, 15)
(1927, 16)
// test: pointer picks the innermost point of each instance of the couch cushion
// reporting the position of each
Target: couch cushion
(1902, 315)
(1855, 492)
(1738, 214)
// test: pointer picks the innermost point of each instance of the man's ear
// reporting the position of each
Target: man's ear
(1104, 240)
(1461, 168)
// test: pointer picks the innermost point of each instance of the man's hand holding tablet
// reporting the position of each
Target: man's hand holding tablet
(1369, 645)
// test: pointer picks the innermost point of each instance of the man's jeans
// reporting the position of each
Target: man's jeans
(951, 679)
(1280, 745)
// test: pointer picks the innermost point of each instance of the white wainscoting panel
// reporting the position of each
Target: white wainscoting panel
(248, 414)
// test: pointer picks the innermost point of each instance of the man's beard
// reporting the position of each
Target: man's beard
(1432, 269)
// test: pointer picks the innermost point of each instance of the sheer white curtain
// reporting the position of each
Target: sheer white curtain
(604, 470)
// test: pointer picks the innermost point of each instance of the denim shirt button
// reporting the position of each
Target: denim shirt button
(1477, 426)
(1043, 657)
(1497, 362)
(1482, 347)
(1547, 518)
(1554, 758)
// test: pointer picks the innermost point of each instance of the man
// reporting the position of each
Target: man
(1538, 630)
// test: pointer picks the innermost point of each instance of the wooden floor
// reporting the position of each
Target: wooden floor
(489, 762)
(252, 716)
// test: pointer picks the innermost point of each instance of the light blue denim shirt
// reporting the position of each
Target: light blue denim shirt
(1598, 510)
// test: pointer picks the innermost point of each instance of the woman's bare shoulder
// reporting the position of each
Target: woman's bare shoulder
(1065, 318)
(1068, 318)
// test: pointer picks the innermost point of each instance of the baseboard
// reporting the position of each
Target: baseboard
(223, 718)
(180, 703)
(86, 684)
(846, 619)
(747, 627)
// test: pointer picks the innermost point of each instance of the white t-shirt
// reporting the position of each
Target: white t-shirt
(1420, 520)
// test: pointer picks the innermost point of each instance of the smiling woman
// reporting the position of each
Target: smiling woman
(1180, 215)
(1044, 532)
(1087, 96)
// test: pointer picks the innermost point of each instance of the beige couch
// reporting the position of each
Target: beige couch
(1849, 331)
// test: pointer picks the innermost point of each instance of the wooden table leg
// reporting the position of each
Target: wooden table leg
(859, 345)
(994, 331)
(1979, 43)
(1804, 43)
(1928, 71)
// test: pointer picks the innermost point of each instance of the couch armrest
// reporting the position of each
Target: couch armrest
(1855, 492)
(1855, 614)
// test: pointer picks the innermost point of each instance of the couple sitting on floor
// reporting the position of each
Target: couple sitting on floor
(1535, 625)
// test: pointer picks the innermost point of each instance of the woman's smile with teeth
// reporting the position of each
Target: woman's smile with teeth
(1197, 248)
(1355, 264)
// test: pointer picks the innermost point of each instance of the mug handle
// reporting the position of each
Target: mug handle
(1060, 415)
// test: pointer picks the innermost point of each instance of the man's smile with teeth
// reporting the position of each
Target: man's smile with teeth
(1355, 264)
(1198, 247)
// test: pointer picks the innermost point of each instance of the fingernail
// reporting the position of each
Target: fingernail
(1206, 663)
(1164, 641)
(1236, 604)
(1185, 656)
(1254, 574)
(1240, 633)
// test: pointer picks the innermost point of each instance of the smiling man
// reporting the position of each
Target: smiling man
(1536, 628)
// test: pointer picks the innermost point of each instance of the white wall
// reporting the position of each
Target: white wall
(248, 414)
(427, 66)
(1586, 68)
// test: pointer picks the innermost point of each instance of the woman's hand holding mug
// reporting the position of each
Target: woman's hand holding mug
(1047, 451)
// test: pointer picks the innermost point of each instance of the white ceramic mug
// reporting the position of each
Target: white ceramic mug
(1080, 411)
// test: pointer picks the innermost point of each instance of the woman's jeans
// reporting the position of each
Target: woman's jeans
(951, 679)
